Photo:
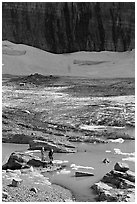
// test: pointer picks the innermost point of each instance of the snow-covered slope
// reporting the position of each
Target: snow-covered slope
(19, 59)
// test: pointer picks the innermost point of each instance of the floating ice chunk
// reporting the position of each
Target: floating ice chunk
(31, 151)
(64, 171)
(75, 168)
(92, 127)
(60, 161)
(118, 151)
(108, 151)
(81, 167)
(119, 140)
(129, 159)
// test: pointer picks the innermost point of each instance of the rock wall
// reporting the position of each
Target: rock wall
(70, 26)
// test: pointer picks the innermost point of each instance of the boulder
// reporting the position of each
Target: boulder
(20, 160)
(117, 180)
(33, 189)
(123, 167)
(37, 163)
(82, 173)
(37, 144)
(16, 182)
(17, 160)
(116, 186)
(106, 161)
(130, 176)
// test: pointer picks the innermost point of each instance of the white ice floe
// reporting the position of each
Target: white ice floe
(31, 151)
(118, 151)
(119, 140)
(64, 171)
(92, 127)
(108, 151)
(60, 161)
(129, 159)
(74, 166)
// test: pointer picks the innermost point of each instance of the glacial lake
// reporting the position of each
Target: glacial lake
(88, 158)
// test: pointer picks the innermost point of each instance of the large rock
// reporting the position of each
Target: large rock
(16, 182)
(117, 186)
(121, 167)
(129, 175)
(20, 160)
(37, 144)
(37, 162)
(17, 160)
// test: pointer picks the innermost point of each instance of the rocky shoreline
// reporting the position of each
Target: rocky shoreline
(34, 188)
(116, 186)
(22, 180)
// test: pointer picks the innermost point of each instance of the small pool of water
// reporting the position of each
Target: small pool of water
(88, 155)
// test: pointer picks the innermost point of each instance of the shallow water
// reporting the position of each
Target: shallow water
(88, 155)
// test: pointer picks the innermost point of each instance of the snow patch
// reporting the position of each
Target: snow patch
(129, 159)
(118, 151)
(119, 140)
(74, 166)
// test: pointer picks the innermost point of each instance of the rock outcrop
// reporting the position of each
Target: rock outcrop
(83, 173)
(70, 26)
(20, 160)
(117, 185)
(37, 144)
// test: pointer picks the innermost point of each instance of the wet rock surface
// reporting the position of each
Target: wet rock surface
(117, 186)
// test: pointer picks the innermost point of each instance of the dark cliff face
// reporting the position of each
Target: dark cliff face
(70, 26)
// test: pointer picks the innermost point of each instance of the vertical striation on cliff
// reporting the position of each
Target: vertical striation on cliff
(70, 26)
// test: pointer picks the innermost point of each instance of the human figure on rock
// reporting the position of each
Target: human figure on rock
(51, 156)
(42, 154)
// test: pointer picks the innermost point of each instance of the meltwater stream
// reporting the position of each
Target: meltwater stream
(88, 158)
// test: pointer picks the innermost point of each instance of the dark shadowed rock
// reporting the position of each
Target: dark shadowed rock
(37, 144)
(16, 182)
(129, 175)
(82, 173)
(17, 160)
(20, 160)
(121, 167)
(34, 190)
(37, 163)
(106, 161)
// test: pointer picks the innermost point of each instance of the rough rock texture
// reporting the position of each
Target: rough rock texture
(36, 144)
(17, 160)
(70, 26)
(121, 167)
(116, 186)
(24, 161)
